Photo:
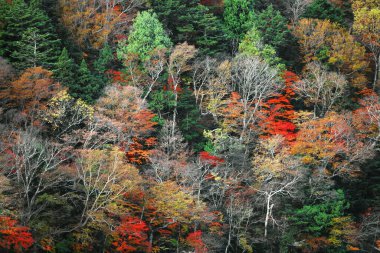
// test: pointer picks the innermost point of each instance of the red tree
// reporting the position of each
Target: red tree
(195, 240)
(14, 237)
(278, 112)
(131, 235)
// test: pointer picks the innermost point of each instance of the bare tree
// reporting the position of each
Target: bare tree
(178, 64)
(211, 83)
(255, 80)
(34, 168)
(170, 155)
(295, 9)
(320, 88)
(154, 67)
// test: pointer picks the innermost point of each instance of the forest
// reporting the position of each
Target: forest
(190, 126)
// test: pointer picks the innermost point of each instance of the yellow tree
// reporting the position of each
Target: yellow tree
(367, 26)
(91, 22)
(331, 44)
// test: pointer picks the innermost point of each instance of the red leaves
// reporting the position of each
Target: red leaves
(278, 112)
(139, 151)
(131, 235)
(195, 240)
(206, 157)
(14, 237)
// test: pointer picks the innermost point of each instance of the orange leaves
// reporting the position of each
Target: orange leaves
(32, 90)
(138, 152)
(131, 235)
(14, 237)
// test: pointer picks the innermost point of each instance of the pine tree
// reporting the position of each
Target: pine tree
(103, 63)
(324, 9)
(238, 19)
(18, 19)
(273, 27)
(87, 86)
(188, 20)
(35, 49)
(65, 69)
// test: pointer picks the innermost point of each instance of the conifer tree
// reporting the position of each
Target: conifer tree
(238, 19)
(87, 86)
(188, 20)
(103, 62)
(65, 69)
(34, 49)
(18, 18)
(273, 27)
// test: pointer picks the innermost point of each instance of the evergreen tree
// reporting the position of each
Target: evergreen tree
(18, 19)
(238, 19)
(35, 49)
(147, 34)
(65, 69)
(273, 27)
(103, 63)
(188, 20)
(210, 38)
(323, 9)
(87, 86)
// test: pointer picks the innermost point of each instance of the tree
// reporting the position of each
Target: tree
(324, 221)
(321, 89)
(255, 80)
(19, 18)
(296, 8)
(238, 19)
(189, 21)
(273, 27)
(276, 173)
(329, 43)
(253, 45)
(65, 70)
(366, 25)
(13, 237)
(178, 64)
(33, 169)
(131, 235)
(324, 9)
(102, 177)
(64, 114)
(35, 49)
(211, 81)
(103, 62)
(278, 113)
(147, 34)
(31, 91)
(91, 23)
(87, 87)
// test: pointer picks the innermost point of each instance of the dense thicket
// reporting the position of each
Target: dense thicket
(189, 126)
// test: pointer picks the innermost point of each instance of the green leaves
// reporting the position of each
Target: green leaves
(147, 34)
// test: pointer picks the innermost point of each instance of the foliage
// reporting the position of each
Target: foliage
(31, 91)
(147, 34)
(14, 237)
(325, 9)
(188, 20)
(273, 27)
(329, 43)
(238, 19)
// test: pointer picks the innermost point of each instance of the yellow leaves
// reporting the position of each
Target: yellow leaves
(344, 53)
